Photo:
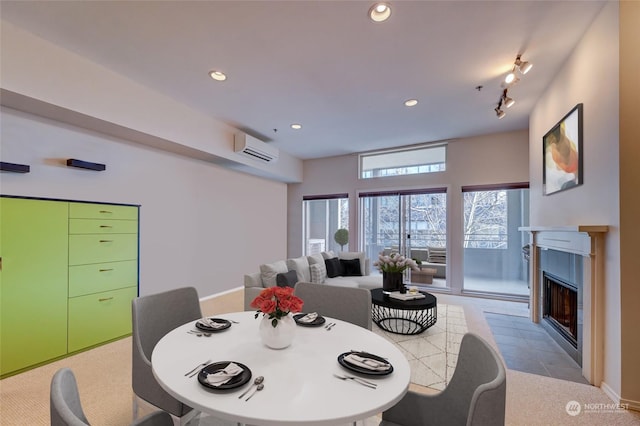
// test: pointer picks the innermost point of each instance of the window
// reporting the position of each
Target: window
(322, 216)
(424, 159)
(494, 260)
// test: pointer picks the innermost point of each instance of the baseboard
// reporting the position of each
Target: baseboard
(222, 293)
(610, 392)
(627, 404)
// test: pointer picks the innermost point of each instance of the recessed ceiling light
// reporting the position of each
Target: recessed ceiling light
(380, 12)
(296, 126)
(411, 102)
(217, 75)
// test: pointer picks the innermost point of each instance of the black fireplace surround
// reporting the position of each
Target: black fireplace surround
(562, 287)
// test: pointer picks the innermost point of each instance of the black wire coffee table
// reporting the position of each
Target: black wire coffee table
(403, 317)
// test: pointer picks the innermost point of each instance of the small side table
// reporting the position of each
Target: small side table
(403, 317)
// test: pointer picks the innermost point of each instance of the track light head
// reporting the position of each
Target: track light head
(506, 100)
(523, 66)
(510, 78)
(500, 113)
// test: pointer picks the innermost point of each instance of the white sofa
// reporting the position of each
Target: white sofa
(255, 282)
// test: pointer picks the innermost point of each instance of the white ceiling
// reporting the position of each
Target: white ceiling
(324, 64)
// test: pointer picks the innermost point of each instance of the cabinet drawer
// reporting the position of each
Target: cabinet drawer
(84, 249)
(96, 318)
(102, 211)
(102, 226)
(99, 277)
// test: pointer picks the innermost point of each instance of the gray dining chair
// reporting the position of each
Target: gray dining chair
(153, 316)
(66, 409)
(475, 396)
(348, 304)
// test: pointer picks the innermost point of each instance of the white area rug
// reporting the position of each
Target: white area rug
(433, 354)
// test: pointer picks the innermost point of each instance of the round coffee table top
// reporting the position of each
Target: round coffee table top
(378, 297)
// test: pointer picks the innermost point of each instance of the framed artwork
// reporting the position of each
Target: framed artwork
(562, 154)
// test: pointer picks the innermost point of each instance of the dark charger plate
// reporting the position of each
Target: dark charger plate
(363, 370)
(315, 323)
(235, 382)
(225, 324)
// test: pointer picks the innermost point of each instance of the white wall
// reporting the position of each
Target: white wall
(590, 76)
(496, 158)
(91, 95)
(200, 224)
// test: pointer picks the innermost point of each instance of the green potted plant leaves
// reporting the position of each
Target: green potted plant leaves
(341, 237)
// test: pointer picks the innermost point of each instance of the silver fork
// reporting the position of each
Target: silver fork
(197, 367)
(358, 380)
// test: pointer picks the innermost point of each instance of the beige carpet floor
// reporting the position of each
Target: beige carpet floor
(104, 379)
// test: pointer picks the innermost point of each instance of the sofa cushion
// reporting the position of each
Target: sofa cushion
(350, 267)
(268, 272)
(301, 266)
(287, 279)
(318, 273)
(333, 267)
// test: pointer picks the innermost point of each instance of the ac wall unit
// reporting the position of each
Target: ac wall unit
(251, 147)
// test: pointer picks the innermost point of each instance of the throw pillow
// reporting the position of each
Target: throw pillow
(356, 255)
(269, 271)
(328, 255)
(317, 259)
(301, 266)
(318, 273)
(287, 279)
(350, 267)
(333, 267)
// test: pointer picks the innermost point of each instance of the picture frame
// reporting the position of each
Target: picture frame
(562, 156)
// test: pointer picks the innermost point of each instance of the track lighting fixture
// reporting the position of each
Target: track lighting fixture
(523, 67)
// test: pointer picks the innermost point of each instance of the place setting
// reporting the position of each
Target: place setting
(212, 325)
(223, 375)
(365, 363)
(312, 319)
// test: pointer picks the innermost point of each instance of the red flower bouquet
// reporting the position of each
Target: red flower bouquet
(277, 302)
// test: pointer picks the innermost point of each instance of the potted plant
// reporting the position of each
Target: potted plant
(341, 237)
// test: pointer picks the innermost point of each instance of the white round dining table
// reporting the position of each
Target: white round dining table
(299, 383)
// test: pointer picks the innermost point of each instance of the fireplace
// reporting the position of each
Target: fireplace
(573, 256)
(560, 311)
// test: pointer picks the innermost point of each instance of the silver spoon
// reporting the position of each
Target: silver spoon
(259, 388)
(257, 381)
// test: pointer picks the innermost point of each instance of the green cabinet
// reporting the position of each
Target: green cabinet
(68, 273)
(33, 282)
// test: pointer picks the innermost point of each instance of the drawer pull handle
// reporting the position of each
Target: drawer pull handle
(106, 211)
(106, 270)
(104, 299)
(106, 226)
(106, 241)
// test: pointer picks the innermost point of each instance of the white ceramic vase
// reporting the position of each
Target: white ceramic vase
(280, 336)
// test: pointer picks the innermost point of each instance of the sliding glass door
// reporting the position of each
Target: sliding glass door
(407, 222)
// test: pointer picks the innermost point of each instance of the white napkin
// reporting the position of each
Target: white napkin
(368, 363)
(210, 323)
(223, 376)
(309, 317)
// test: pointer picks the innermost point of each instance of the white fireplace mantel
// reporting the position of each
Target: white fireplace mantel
(587, 241)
